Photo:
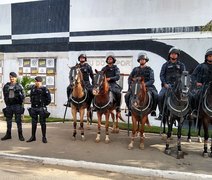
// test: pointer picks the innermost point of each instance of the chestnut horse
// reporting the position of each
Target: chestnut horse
(141, 103)
(205, 116)
(104, 103)
(78, 98)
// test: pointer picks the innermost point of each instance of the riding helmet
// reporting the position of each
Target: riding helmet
(82, 55)
(110, 54)
(208, 52)
(142, 56)
(174, 50)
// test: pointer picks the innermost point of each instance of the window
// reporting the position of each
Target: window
(44, 67)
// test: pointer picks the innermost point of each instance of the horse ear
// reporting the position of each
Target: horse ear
(96, 71)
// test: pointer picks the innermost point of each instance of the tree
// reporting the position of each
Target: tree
(26, 81)
(207, 27)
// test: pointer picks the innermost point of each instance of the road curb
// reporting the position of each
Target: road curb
(109, 167)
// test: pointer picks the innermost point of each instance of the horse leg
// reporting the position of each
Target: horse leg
(206, 136)
(134, 129)
(189, 131)
(89, 116)
(74, 114)
(164, 128)
(99, 115)
(113, 119)
(143, 122)
(117, 123)
(199, 138)
(168, 149)
(179, 150)
(82, 112)
(211, 146)
(107, 139)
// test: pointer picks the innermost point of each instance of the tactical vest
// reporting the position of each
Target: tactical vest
(110, 71)
(145, 72)
(85, 72)
(173, 71)
(39, 96)
(209, 76)
(13, 94)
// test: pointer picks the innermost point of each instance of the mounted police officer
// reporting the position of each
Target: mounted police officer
(148, 74)
(112, 73)
(40, 97)
(13, 97)
(169, 73)
(87, 73)
(201, 77)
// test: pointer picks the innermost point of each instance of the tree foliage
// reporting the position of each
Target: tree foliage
(207, 27)
(26, 82)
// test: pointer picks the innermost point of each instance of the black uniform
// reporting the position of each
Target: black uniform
(168, 75)
(13, 97)
(40, 98)
(201, 74)
(113, 73)
(148, 75)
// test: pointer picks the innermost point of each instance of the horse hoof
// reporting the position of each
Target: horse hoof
(97, 140)
(130, 147)
(168, 151)
(141, 146)
(210, 154)
(180, 155)
(117, 131)
(83, 138)
(74, 138)
(189, 140)
(113, 131)
(199, 139)
(205, 154)
(107, 141)
(163, 137)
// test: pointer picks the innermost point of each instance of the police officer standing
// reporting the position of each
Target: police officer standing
(148, 74)
(201, 77)
(169, 73)
(13, 97)
(40, 97)
(87, 73)
(112, 73)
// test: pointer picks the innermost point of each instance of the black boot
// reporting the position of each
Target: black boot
(33, 138)
(43, 129)
(20, 135)
(7, 136)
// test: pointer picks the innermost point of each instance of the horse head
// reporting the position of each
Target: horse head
(181, 86)
(76, 76)
(139, 92)
(100, 85)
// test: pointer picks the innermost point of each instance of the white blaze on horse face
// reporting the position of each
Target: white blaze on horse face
(136, 88)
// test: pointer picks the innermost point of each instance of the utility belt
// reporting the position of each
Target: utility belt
(43, 109)
(37, 106)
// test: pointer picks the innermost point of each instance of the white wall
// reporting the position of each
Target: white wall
(88, 15)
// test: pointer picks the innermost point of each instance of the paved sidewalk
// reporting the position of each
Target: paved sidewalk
(61, 147)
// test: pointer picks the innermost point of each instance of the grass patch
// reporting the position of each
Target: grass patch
(124, 126)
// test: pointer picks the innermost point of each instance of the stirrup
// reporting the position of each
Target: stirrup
(194, 113)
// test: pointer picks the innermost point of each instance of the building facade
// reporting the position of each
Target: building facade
(46, 37)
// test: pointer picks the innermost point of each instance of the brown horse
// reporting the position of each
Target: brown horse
(103, 102)
(141, 102)
(205, 115)
(78, 97)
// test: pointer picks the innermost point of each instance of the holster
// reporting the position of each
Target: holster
(4, 110)
(46, 113)
(30, 111)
